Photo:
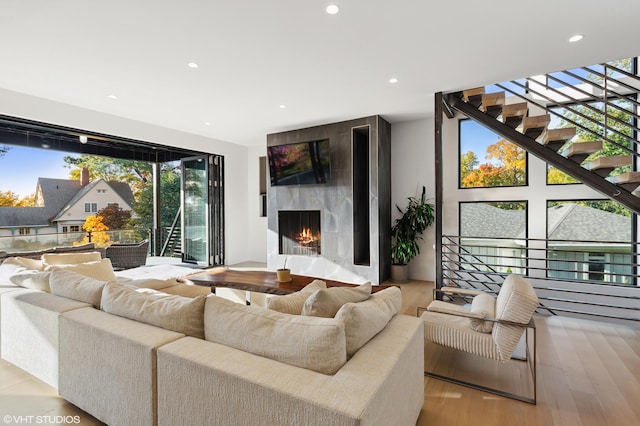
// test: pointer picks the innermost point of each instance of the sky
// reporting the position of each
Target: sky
(21, 167)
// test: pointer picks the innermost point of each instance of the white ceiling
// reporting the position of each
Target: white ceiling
(256, 55)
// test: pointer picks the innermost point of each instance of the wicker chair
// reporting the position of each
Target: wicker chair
(127, 256)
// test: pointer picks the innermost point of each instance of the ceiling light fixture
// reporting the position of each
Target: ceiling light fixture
(207, 124)
(333, 9)
(393, 80)
(112, 97)
(83, 139)
(283, 106)
(192, 65)
(576, 38)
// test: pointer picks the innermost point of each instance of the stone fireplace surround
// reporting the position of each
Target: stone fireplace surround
(360, 171)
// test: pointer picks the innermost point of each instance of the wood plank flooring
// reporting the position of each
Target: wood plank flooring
(588, 374)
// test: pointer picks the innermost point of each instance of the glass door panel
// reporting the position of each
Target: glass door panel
(195, 203)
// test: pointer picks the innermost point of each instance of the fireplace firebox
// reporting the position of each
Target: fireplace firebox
(299, 232)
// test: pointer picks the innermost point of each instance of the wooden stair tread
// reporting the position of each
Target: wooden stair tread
(559, 135)
(535, 125)
(608, 162)
(583, 148)
(470, 93)
(512, 114)
(628, 177)
(490, 99)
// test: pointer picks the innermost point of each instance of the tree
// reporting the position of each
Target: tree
(506, 169)
(95, 231)
(135, 173)
(11, 199)
(169, 199)
(114, 217)
(4, 149)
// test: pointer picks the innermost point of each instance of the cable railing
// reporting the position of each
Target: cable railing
(36, 242)
(583, 278)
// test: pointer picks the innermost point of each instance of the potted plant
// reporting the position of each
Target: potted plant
(406, 232)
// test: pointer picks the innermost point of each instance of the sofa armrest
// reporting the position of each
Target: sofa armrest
(381, 384)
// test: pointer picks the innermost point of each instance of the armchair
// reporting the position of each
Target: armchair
(126, 256)
(490, 328)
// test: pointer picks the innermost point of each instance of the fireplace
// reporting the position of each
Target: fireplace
(299, 232)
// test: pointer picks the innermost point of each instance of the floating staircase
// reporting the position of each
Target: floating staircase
(510, 118)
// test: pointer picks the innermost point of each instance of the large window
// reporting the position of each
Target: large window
(590, 241)
(491, 236)
(488, 160)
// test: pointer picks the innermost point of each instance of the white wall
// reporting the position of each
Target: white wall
(412, 166)
(238, 234)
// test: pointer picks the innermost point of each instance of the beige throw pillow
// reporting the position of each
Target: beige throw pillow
(293, 303)
(181, 314)
(316, 344)
(35, 280)
(483, 305)
(363, 320)
(33, 264)
(100, 270)
(326, 302)
(76, 286)
(70, 258)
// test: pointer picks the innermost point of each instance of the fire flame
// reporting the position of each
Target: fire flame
(306, 237)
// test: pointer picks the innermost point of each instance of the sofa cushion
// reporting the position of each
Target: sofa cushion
(293, 303)
(363, 320)
(181, 314)
(76, 286)
(316, 344)
(326, 302)
(100, 270)
(24, 273)
(152, 283)
(69, 258)
(33, 264)
(483, 305)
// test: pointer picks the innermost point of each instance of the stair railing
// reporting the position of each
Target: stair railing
(172, 232)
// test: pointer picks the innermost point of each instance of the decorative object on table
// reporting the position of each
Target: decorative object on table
(284, 274)
(406, 232)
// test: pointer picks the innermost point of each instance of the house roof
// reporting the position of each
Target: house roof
(58, 196)
(565, 222)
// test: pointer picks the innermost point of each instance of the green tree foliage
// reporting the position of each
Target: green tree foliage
(4, 149)
(169, 199)
(135, 173)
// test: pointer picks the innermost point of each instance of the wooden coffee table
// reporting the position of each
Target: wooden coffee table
(260, 281)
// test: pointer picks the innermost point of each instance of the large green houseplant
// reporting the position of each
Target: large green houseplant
(407, 232)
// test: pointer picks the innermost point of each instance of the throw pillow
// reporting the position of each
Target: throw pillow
(35, 280)
(69, 258)
(293, 303)
(483, 305)
(154, 284)
(326, 302)
(181, 314)
(76, 286)
(316, 344)
(100, 270)
(363, 320)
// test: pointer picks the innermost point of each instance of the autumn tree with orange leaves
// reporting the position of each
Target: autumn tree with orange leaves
(506, 166)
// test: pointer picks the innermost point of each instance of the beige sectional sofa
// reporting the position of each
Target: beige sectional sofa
(147, 357)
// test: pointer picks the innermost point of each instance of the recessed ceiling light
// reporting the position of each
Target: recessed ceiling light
(576, 38)
(207, 124)
(333, 9)
(283, 106)
(192, 65)
(112, 97)
(393, 80)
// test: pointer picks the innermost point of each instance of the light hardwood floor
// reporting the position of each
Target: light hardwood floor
(588, 374)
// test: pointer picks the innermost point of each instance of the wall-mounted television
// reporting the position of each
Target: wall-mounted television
(300, 163)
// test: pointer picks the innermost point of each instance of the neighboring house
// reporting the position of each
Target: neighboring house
(584, 242)
(61, 206)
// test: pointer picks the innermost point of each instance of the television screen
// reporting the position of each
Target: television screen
(299, 163)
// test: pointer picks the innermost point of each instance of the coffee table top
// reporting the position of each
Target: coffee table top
(260, 281)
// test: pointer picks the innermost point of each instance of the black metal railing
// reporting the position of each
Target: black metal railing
(566, 279)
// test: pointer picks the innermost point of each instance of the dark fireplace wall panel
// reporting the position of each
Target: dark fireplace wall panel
(340, 205)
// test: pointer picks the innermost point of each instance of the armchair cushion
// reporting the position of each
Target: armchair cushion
(483, 304)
